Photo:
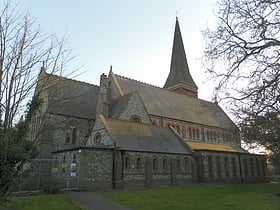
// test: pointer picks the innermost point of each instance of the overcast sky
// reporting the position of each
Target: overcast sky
(134, 36)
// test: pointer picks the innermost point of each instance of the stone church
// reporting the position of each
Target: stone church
(129, 134)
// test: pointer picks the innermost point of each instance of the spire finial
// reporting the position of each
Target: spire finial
(176, 15)
(111, 67)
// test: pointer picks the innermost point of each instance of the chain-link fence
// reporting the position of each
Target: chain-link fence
(47, 174)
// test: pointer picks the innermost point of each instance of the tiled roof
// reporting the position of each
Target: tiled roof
(144, 137)
(71, 97)
(165, 103)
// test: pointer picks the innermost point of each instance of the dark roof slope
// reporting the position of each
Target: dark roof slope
(165, 103)
(71, 97)
(179, 69)
(144, 137)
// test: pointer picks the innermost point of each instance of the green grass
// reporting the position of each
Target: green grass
(240, 197)
(42, 202)
(217, 197)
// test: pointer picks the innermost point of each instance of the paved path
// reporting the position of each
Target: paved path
(95, 201)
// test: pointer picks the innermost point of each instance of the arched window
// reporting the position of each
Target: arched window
(154, 164)
(71, 133)
(190, 132)
(215, 136)
(74, 135)
(193, 133)
(127, 163)
(197, 133)
(135, 118)
(164, 164)
(138, 163)
(178, 164)
(186, 163)
(193, 171)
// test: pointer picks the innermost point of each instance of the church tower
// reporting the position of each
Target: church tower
(179, 79)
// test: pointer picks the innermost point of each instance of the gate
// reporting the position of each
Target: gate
(44, 174)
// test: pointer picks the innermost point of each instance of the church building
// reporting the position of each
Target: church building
(128, 134)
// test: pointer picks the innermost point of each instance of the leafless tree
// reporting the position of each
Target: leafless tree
(24, 48)
(243, 53)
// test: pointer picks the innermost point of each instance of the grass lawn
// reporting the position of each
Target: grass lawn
(42, 202)
(241, 197)
(195, 197)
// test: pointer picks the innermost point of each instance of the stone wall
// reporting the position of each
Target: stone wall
(142, 169)
(136, 107)
(96, 169)
(93, 168)
(230, 167)
(101, 168)
(254, 168)
(56, 130)
(99, 135)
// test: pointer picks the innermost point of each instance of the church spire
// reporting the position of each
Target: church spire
(179, 78)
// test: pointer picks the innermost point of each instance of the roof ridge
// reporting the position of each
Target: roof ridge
(212, 143)
(71, 79)
(122, 120)
(132, 122)
(147, 84)
(134, 80)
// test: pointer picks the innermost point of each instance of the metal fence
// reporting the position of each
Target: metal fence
(44, 174)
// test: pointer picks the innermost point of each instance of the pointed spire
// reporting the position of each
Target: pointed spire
(179, 78)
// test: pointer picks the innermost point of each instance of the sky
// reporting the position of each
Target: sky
(134, 36)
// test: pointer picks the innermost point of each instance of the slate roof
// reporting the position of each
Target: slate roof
(144, 137)
(215, 147)
(179, 69)
(165, 103)
(71, 97)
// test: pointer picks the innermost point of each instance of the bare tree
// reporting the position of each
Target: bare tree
(243, 54)
(24, 47)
